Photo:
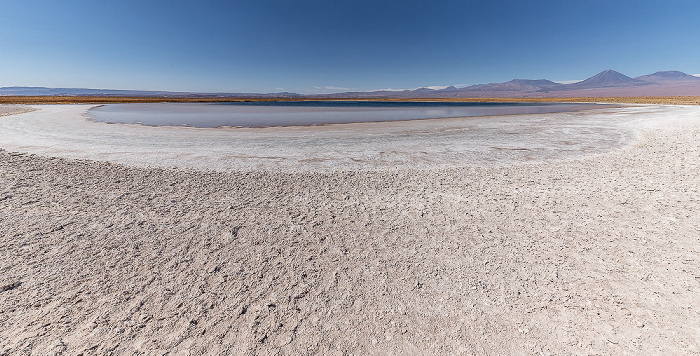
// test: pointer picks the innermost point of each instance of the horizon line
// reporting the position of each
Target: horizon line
(338, 89)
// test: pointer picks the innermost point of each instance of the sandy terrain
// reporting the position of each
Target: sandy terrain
(592, 255)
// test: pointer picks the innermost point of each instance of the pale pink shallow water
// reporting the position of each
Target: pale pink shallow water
(65, 131)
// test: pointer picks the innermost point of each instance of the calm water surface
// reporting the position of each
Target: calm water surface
(265, 114)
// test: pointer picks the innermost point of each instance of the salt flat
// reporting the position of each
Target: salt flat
(538, 249)
(64, 131)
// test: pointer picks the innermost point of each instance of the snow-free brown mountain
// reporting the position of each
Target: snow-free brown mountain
(607, 79)
(669, 76)
(608, 83)
(604, 84)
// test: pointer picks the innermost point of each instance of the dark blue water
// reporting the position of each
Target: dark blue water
(265, 114)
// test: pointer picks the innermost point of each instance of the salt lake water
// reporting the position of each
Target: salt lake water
(266, 114)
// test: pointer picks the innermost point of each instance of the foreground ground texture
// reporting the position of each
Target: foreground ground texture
(597, 255)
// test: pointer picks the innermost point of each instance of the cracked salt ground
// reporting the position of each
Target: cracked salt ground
(592, 255)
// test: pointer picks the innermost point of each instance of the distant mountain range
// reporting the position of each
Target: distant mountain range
(603, 84)
(608, 83)
(42, 91)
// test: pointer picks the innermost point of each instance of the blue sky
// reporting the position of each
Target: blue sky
(327, 46)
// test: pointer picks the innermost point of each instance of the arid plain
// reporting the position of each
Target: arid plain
(592, 254)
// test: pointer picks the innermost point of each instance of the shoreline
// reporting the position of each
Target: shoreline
(14, 110)
(596, 254)
(64, 131)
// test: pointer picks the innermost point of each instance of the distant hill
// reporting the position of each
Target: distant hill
(527, 85)
(667, 76)
(606, 79)
(535, 82)
(42, 91)
(605, 83)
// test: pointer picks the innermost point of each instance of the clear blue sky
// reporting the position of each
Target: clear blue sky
(315, 46)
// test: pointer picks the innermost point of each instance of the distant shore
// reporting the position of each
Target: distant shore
(671, 100)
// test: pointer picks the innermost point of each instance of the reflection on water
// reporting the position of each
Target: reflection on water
(264, 114)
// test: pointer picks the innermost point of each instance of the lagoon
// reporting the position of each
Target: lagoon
(300, 113)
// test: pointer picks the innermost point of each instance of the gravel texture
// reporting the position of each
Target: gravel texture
(595, 255)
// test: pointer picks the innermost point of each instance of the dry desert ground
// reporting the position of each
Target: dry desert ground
(597, 254)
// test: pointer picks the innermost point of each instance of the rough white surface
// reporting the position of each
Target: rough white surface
(6, 110)
(594, 255)
(63, 131)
